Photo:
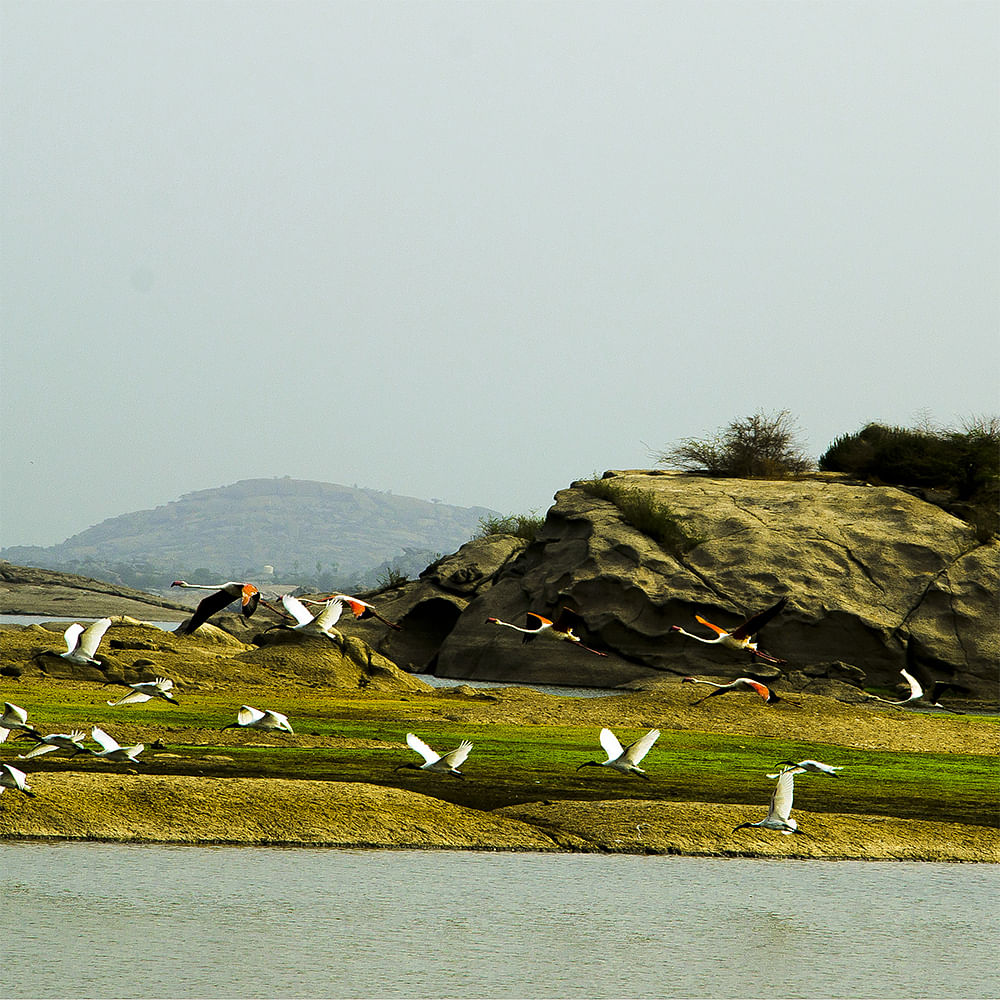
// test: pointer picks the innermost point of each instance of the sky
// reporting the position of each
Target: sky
(472, 251)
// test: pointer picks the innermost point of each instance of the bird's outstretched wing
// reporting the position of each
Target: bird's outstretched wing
(37, 751)
(756, 622)
(635, 751)
(415, 743)
(209, 606)
(610, 744)
(93, 635)
(916, 690)
(296, 609)
(72, 636)
(247, 715)
(251, 598)
(330, 615)
(708, 624)
(456, 757)
(133, 698)
(568, 619)
(277, 719)
(781, 800)
(107, 743)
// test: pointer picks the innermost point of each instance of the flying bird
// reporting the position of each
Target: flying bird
(15, 717)
(68, 743)
(319, 624)
(82, 643)
(779, 814)
(359, 608)
(254, 718)
(815, 766)
(223, 595)
(740, 684)
(561, 629)
(740, 638)
(922, 699)
(145, 690)
(625, 760)
(111, 749)
(13, 777)
(447, 763)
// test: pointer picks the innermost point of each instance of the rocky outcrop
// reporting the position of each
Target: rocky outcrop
(876, 579)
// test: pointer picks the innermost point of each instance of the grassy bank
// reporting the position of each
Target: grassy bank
(913, 786)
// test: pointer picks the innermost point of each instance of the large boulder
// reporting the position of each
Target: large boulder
(876, 579)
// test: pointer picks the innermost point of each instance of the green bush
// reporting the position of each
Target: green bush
(645, 512)
(524, 526)
(761, 446)
(962, 464)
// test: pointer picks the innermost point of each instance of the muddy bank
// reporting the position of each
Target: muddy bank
(276, 811)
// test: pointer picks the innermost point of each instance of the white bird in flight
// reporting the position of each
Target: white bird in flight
(920, 698)
(359, 608)
(253, 718)
(447, 763)
(779, 814)
(740, 638)
(624, 759)
(13, 777)
(14, 717)
(111, 749)
(68, 743)
(816, 766)
(224, 595)
(82, 643)
(319, 624)
(144, 690)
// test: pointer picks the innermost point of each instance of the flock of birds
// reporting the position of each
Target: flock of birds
(82, 645)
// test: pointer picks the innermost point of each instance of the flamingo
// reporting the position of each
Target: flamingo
(144, 690)
(816, 766)
(561, 629)
(447, 763)
(319, 624)
(254, 718)
(224, 595)
(358, 608)
(13, 777)
(741, 637)
(68, 743)
(778, 815)
(625, 760)
(920, 698)
(111, 749)
(82, 643)
(740, 684)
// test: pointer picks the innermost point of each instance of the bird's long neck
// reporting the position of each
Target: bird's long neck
(700, 638)
(205, 586)
(516, 628)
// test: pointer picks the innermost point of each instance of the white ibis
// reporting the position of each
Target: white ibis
(68, 743)
(740, 684)
(779, 814)
(741, 637)
(815, 766)
(14, 717)
(561, 629)
(253, 718)
(145, 690)
(447, 763)
(13, 777)
(111, 749)
(82, 643)
(359, 608)
(223, 595)
(625, 760)
(319, 624)
(922, 699)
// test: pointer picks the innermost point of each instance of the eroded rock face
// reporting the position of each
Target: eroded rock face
(867, 571)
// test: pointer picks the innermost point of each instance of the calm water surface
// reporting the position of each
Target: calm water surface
(96, 920)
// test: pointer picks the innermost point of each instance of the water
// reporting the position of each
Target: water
(101, 920)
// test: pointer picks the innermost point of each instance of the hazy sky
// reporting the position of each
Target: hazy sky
(476, 250)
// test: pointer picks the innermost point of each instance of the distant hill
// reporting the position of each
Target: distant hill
(321, 534)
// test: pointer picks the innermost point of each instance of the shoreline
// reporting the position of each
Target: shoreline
(290, 813)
